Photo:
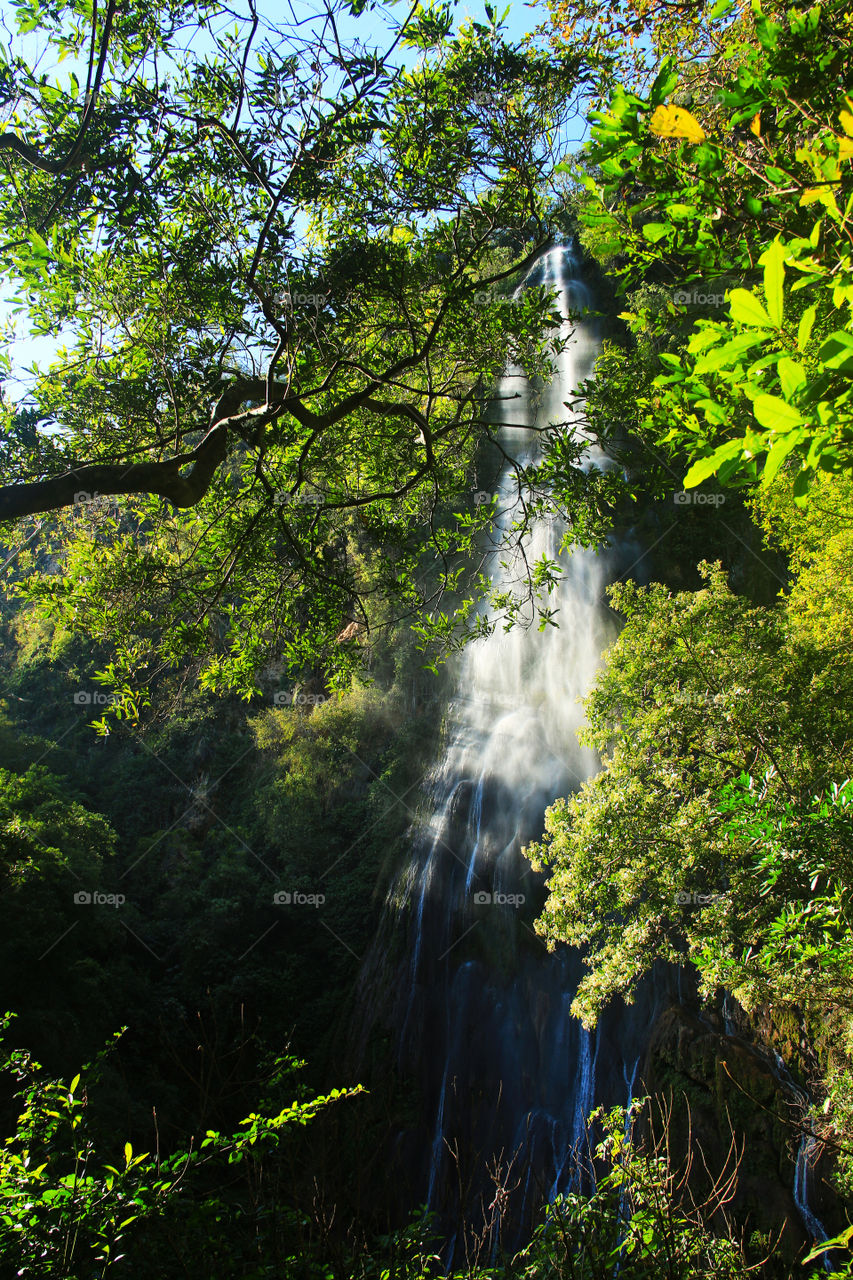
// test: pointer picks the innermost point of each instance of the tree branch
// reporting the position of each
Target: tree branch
(161, 478)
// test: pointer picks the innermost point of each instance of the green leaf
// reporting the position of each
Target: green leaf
(844, 1241)
(728, 354)
(713, 412)
(801, 488)
(806, 324)
(768, 32)
(773, 261)
(837, 352)
(665, 82)
(706, 467)
(777, 176)
(666, 357)
(746, 309)
(708, 158)
(792, 375)
(681, 210)
(777, 455)
(775, 414)
(655, 231)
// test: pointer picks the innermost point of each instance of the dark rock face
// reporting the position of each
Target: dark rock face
(720, 1089)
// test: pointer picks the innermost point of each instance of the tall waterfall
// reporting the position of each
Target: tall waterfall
(479, 1009)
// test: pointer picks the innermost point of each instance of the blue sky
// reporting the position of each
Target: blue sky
(521, 18)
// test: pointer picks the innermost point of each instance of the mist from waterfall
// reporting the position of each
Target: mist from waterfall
(481, 1010)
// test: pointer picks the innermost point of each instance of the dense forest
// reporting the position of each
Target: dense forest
(265, 271)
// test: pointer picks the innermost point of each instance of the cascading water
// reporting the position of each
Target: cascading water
(502, 1077)
(806, 1154)
(506, 1076)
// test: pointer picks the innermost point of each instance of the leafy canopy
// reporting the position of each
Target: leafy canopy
(747, 194)
(281, 267)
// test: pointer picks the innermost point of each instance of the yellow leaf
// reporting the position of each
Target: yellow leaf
(846, 119)
(821, 195)
(845, 147)
(675, 122)
(755, 124)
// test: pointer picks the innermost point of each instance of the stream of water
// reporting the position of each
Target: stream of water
(505, 1076)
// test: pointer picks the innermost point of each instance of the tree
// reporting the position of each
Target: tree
(281, 264)
(627, 41)
(66, 1211)
(646, 861)
(746, 196)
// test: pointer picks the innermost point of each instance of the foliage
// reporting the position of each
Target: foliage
(698, 687)
(719, 193)
(64, 1211)
(271, 259)
(285, 274)
(626, 42)
(804, 953)
(718, 830)
(638, 1217)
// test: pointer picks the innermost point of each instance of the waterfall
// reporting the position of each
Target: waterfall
(584, 1102)
(805, 1158)
(481, 1011)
